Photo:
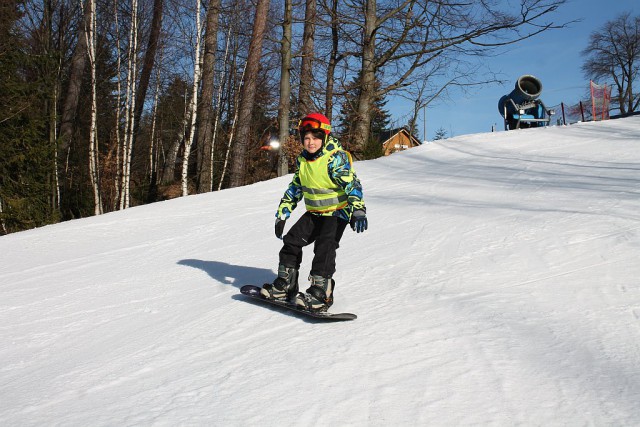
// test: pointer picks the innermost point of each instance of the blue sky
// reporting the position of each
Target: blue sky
(553, 57)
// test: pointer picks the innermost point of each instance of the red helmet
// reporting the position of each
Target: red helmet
(314, 121)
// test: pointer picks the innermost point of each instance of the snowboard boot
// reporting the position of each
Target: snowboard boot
(319, 296)
(284, 287)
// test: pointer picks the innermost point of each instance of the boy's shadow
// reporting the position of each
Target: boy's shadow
(234, 275)
(240, 275)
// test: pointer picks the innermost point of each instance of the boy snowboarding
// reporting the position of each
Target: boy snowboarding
(332, 194)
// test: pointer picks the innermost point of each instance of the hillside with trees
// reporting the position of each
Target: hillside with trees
(108, 104)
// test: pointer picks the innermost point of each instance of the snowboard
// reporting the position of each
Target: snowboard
(253, 292)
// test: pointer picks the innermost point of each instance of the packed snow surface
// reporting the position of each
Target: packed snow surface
(498, 283)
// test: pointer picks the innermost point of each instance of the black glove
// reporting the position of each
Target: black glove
(280, 227)
(359, 221)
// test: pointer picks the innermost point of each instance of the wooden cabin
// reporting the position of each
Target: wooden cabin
(398, 140)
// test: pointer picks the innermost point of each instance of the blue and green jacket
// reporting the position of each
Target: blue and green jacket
(327, 182)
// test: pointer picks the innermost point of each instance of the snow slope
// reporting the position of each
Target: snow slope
(498, 284)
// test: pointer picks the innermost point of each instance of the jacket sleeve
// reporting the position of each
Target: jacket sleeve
(291, 196)
(342, 173)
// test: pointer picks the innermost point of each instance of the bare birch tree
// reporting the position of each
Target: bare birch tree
(93, 138)
(118, 137)
(193, 106)
(130, 102)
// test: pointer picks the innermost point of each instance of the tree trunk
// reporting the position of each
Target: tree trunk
(226, 157)
(193, 108)
(205, 108)
(284, 107)
(248, 93)
(70, 106)
(153, 148)
(3, 227)
(233, 125)
(147, 64)
(218, 110)
(630, 97)
(53, 136)
(118, 138)
(51, 104)
(93, 139)
(367, 90)
(125, 197)
(333, 61)
(169, 170)
(305, 104)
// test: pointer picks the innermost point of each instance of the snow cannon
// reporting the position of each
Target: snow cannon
(523, 108)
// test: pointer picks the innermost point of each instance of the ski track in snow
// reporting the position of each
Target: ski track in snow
(497, 284)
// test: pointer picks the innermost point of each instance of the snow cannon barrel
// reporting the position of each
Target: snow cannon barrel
(521, 107)
(528, 88)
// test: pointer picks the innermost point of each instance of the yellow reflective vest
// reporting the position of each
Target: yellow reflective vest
(321, 194)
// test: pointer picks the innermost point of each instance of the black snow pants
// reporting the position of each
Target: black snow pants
(325, 232)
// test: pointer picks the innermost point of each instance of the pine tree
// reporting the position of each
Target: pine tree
(26, 157)
(441, 133)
